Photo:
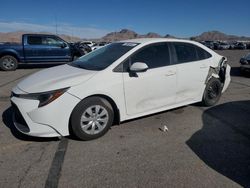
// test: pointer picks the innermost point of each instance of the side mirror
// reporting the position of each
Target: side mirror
(138, 67)
(63, 45)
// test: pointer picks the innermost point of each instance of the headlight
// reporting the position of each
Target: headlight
(44, 97)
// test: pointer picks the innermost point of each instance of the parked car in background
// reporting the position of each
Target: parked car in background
(245, 64)
(216, 45)
(248, 45)
(240, 45)
(89, 43)
(208, 43)
(99, 45)
(231, 45)
(37, 49)
(224, 45)
(118, 82)
(221, 46)
(82, 47)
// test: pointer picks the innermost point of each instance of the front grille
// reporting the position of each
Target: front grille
(18, 120)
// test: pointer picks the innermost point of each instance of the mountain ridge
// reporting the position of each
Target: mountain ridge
(125, 34)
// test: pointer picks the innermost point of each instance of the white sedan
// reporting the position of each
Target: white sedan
(121, 81)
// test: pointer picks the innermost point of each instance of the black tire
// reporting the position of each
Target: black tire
(8, 63)
(212, 92)
(80, 111)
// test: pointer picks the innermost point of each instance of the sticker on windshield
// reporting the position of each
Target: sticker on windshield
(131, 44)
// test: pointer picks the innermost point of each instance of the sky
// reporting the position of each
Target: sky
(94, 19)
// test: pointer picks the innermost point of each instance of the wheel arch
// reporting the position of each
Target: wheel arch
(218, 72)
(109, 99)
(10, 53)
(113, 104)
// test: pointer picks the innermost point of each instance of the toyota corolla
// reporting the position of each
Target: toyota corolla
(121, 81)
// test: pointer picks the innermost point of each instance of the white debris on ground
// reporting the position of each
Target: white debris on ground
(164, 128)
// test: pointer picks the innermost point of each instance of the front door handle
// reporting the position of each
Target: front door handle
(170, 73)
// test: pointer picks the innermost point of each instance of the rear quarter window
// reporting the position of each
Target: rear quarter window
(34, 40)
(186, 52)
(202, 54)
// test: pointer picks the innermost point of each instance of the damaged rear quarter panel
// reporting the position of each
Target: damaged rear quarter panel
(220, 70)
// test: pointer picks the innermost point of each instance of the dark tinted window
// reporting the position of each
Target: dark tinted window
(52, 41)
(35, 40)
(154, 56)
(202, 54)
(185, 52)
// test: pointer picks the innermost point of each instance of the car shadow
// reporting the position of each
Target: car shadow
(235, 71)
(177, 110)
(7, 121)
(223, 143)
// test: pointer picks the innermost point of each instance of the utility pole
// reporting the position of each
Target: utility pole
(56, 24)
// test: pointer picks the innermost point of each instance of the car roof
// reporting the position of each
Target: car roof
(38, 34)
(153, 40)
(147, 41)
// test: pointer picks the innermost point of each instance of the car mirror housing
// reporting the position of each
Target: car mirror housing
(63, 45)
(138, 67)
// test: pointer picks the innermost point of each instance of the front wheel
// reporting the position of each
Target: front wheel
(212, 92)
(92, 118)
(8, 63)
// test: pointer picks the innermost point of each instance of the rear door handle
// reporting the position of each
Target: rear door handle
(203, 66)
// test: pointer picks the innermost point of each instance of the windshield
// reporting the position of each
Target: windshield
(103, 57)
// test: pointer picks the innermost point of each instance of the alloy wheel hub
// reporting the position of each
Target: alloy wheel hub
(94, 119)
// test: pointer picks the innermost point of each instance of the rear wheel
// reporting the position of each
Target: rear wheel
(212, 92)
(92, 118)
(8, 63)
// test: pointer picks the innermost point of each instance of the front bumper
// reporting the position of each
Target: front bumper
(51, 120)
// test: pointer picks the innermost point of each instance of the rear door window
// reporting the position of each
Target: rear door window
(34, 40)
(186, 52)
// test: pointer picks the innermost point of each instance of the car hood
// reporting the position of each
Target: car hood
(55, 78)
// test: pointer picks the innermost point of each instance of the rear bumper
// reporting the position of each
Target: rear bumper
(227, 79)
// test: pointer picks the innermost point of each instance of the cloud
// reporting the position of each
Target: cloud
(62, 28)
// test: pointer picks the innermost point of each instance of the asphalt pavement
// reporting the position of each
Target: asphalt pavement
(203, 147)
